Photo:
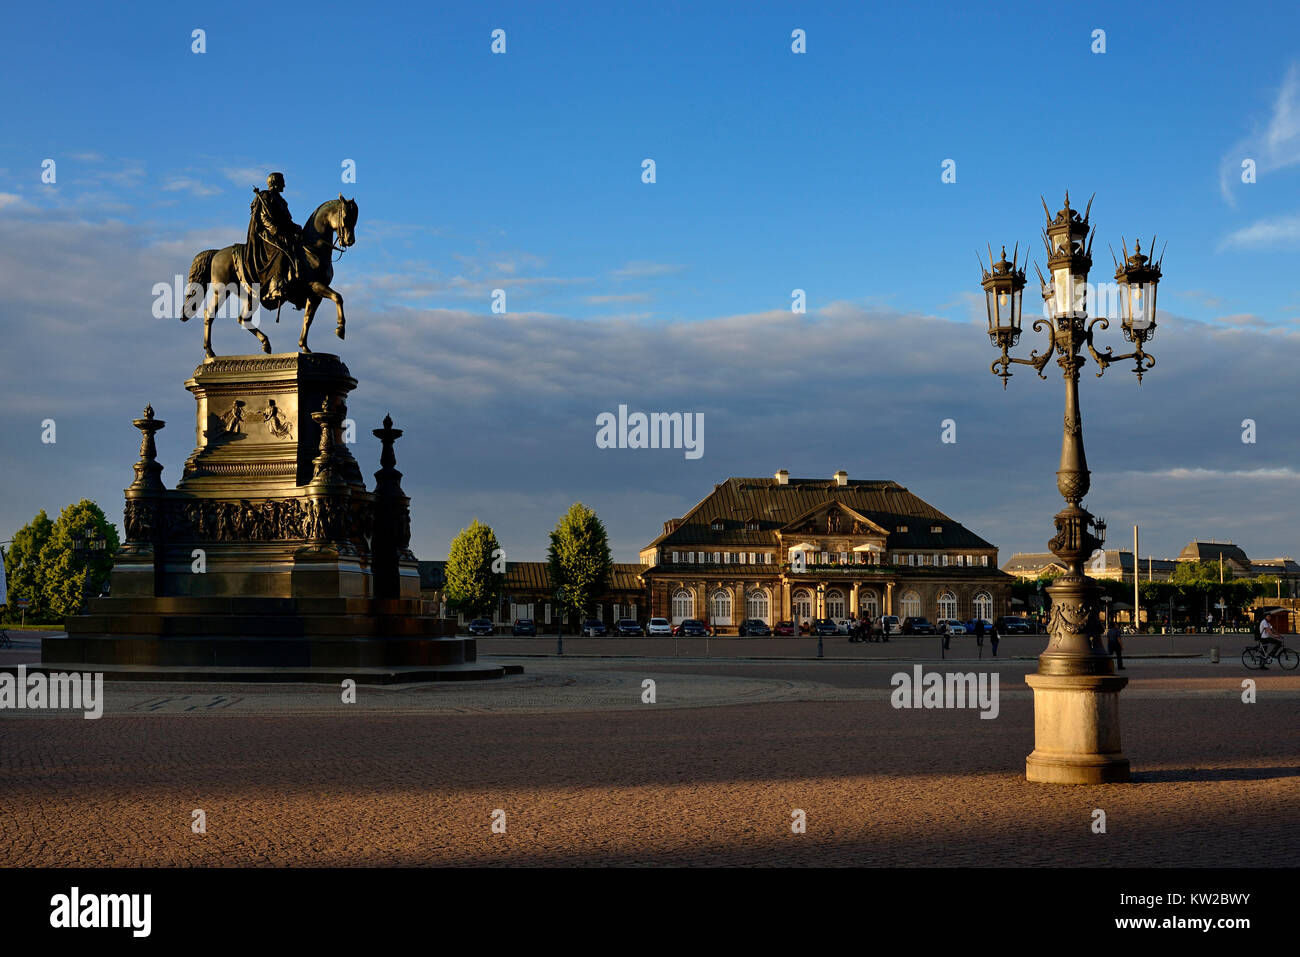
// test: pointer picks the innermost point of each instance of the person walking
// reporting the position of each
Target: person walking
(979, 635)
(1115, 646)
(994, 637)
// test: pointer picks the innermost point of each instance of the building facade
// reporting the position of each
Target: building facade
(784, 549)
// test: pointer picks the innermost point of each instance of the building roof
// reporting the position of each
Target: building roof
(1196, 551)
(771, 506)
(534, 576)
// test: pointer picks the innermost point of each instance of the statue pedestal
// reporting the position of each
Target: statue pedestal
(1076, 730)
(270, 552)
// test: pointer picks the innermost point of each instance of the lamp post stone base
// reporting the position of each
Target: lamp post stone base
(1076, 730)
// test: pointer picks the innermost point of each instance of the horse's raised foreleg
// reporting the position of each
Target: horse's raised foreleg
(312, 302)
(322, 291)
(245, 313)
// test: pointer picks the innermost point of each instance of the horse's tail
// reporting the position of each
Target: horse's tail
(200, 274)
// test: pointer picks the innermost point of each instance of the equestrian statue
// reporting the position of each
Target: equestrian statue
(281, 262)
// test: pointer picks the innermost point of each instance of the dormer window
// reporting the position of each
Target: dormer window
(901, 528)
(937, 529)
(751, 525)
(716, 525)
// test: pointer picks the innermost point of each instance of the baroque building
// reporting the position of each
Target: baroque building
(790, 549)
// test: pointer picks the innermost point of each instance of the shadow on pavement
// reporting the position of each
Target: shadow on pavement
(1215, 774)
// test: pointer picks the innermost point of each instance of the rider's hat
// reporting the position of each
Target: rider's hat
(275, 181)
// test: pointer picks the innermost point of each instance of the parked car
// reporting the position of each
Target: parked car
(844, 626)
(629, 628)
(887, 624)
(970, 625)
(754, 628)
(951, 626)
(824, 626)
(591, 628)
(1011, 625)
(917, 625)
(525, 626)
(692, 628)
(481, 626)
(784, 629)
(659, 626)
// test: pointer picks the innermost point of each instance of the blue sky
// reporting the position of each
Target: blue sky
(775, 171)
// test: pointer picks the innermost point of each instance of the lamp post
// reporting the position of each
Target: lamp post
(821, 613)
(88, 545)
(1076, 690)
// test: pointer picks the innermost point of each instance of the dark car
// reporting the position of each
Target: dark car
(629, 628)
(525, 626)
(917, 625)
(784, 629)
(591, 628)
(481, 626)
(1011, 625)
(692, 628)
(754, 628)
(824, 626)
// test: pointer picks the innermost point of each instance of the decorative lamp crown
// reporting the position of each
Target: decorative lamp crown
(1069, 259)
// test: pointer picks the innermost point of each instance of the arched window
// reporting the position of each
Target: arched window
(983, 605)
(947, 605)
(758, 606)
(911, 604)
(802, 602)
(720, 607)
(868, 604)
(835, 608)
(683, 606)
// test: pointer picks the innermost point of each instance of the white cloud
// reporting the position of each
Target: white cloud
(188, 185)
(642, 269)
(624, 297)
(1265, 232)
(1275, 148)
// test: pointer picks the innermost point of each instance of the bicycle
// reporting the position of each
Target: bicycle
(1257, 656)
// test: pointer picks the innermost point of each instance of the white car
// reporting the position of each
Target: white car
(844, 625)
(659, 626)
(951, 626)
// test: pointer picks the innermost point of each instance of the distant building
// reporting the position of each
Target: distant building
(782, 549)
(1116, 564)
(528, 593)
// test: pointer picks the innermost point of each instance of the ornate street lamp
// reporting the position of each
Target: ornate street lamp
(1076, 690)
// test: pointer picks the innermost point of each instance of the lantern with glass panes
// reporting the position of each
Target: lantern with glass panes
(1136, 281)
(1004, 285)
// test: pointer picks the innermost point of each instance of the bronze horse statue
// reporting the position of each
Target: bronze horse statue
(215, 270)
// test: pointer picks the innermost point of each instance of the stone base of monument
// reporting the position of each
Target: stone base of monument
(270, 553)
(1076, 730)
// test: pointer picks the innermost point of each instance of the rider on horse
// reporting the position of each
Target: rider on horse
(272, 249)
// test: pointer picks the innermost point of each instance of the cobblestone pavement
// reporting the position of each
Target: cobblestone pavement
(585, 773)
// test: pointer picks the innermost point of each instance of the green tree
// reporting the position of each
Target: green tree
(49, 565)
(579, 559)
(1200, 572)
(74, 561)
(24, 572)
(475, 571)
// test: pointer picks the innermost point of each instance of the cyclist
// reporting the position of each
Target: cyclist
(1268, 637)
